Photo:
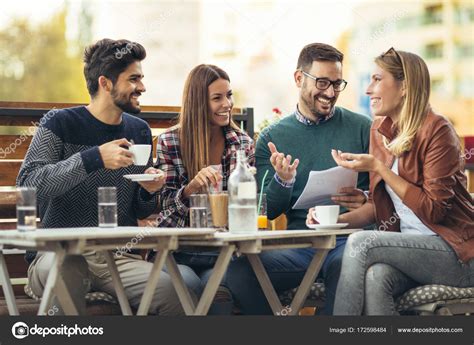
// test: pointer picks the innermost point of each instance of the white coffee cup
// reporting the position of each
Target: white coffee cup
(141, 154)
(326, 214)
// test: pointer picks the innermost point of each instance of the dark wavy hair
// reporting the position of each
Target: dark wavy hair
(109, 58)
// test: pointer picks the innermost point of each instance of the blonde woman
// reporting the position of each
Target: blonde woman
(418, 196)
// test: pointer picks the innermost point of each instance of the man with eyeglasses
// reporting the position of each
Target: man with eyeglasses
(309, 134)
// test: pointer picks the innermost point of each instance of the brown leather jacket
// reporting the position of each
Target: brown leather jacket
(437, 193)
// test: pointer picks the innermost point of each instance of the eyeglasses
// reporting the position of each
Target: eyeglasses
(324, 83)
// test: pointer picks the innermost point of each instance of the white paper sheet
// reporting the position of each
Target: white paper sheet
(322, 185)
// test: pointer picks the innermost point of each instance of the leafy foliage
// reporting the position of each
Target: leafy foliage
(37, 63)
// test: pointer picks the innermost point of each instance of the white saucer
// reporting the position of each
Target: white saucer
(142, 177)
(327, 226)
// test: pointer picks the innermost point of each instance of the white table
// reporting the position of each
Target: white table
(78, 240)
(250, 245)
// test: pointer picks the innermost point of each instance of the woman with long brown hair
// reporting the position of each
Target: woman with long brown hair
(418, 196)
(205, 137)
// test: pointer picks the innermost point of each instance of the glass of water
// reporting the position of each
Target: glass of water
(198, 211)
(26, 208)
(107, 199)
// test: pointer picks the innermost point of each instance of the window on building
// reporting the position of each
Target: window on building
(465, 50)
(434, 50)
(433, 14)
(464, 14)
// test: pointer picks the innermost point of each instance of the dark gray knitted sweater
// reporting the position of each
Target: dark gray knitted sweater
(64, 164)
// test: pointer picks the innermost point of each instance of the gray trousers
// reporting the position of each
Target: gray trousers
(377, 266)
(383, 284)
(89, 272)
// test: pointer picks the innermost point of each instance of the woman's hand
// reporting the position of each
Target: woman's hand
(309, 217)
(353, 199)
(357, 162)
(155, 185)
(202, 180)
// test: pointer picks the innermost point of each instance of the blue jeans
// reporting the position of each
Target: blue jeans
(406, 258)
(285, 268)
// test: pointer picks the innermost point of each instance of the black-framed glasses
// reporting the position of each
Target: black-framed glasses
(325, 83)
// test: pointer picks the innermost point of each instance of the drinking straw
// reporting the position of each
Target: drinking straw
(261, 192)
(242, 148)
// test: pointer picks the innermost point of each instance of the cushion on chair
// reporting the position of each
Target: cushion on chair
(91, 297)
(431, 293)
(317, 292)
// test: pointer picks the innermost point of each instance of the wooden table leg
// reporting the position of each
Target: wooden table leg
(308, 280)
(152, 282)
(56, 285)
(7, 287)
(212, 285)
(265, 283)
(117, 282)
(181, 288)
(323, 247)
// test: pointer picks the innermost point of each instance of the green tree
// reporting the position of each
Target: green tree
(36, 64)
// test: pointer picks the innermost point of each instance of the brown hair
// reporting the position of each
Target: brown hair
(194, 119)
(318, 52)
(109, 58)
(411, 70)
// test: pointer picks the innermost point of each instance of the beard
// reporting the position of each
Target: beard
(123, 102)
(311, 104)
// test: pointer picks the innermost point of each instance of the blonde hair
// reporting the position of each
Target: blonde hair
(194, 120)
(411, 70)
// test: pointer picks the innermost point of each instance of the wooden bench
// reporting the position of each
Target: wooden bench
(18, 121)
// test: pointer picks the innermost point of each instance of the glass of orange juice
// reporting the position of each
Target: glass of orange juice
(262, 213)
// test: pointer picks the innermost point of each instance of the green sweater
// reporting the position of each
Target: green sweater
(311, 144)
